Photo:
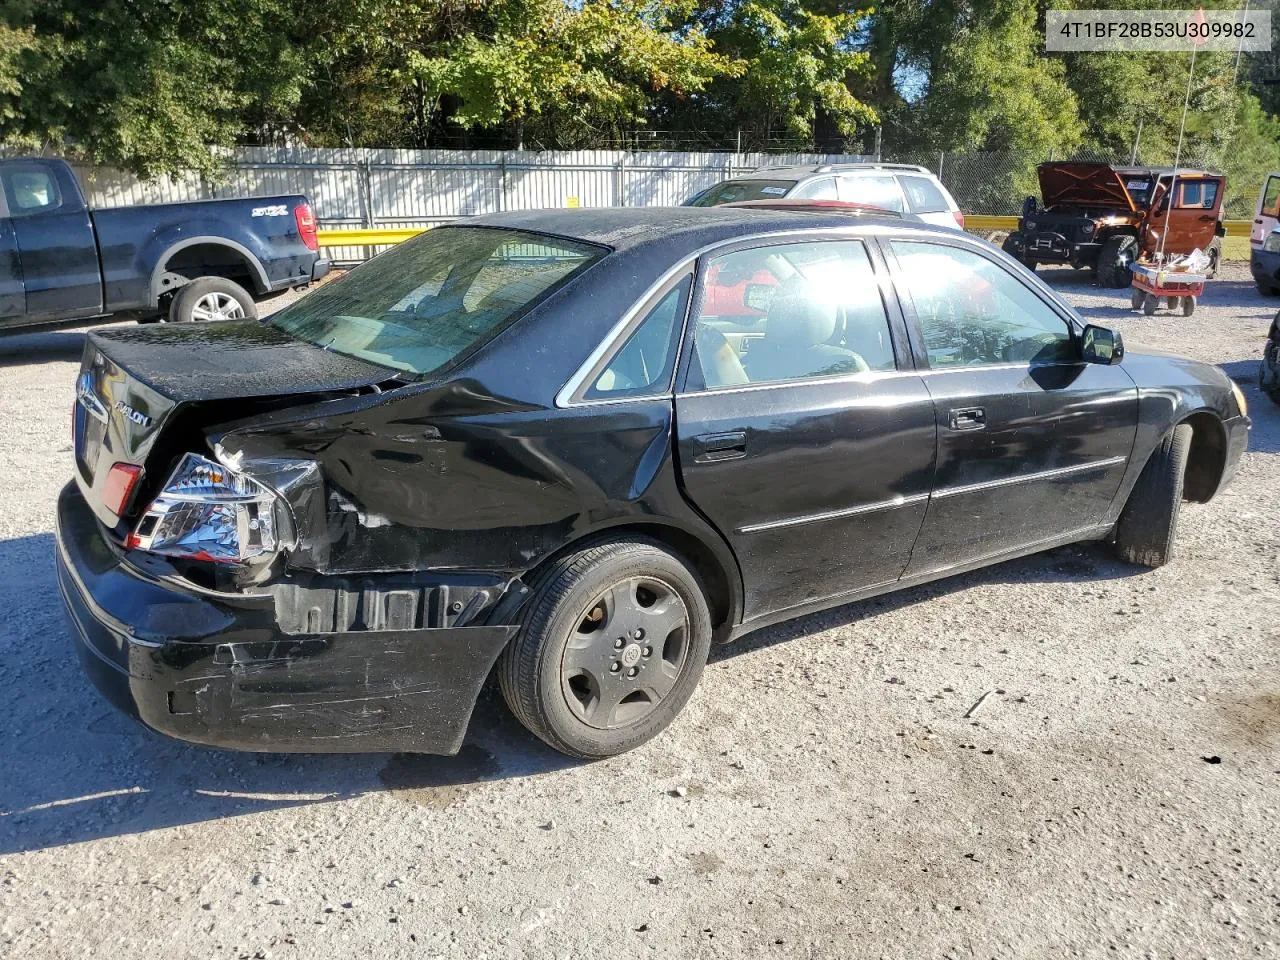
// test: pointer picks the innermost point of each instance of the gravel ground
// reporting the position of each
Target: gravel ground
(823, 795)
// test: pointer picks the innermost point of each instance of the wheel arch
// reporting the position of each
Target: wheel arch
(253, 267)
(1207, 459)
(715, 568)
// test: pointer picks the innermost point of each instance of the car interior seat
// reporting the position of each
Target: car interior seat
(796, 343)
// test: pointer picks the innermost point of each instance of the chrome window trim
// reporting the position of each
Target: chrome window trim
(1053, 474)
(567, 396)
(893, 504)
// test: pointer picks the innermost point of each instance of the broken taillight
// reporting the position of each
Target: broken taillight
(306, 220)
(207, 511)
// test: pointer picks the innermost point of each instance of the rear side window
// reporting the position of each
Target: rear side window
(923, 196)
(875, 191)
(791, 311)
(1271, 198)
(817, 190)
(30, 188)
(644, 365)
(973, 312)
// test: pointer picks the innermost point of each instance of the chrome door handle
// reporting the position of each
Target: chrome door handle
(968, 418)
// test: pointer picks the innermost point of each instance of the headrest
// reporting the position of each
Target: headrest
(795, 317)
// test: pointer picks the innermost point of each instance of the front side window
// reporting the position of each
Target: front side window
(790, 311)
(30, 188)
(973, 312)
(643, 367)
(1198, 194)
(428, 300)
(880, 192)
(737, 191)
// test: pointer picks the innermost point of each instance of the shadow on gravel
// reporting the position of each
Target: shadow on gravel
(1079, 563)
(42, 346)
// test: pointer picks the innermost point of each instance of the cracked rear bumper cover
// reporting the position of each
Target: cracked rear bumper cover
(216, 670)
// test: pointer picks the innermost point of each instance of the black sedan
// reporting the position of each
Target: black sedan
(576, 448)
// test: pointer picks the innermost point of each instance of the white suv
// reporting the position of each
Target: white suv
(892, 186)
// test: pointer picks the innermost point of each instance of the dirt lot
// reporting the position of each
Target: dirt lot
(823, 796)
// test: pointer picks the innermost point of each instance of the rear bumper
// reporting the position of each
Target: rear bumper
(321, 268)
(216, 669)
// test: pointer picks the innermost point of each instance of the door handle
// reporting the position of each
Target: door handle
(968, 418)
(711, 447)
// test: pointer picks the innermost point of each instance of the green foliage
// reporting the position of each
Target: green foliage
(153, 85)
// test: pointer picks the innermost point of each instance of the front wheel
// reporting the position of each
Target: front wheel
(612, 644)
(1146, 528)
(212, 298)
(1114, 259)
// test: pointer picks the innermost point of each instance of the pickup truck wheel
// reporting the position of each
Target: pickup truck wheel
(1266, 289)
(1114, 259)
(611, 646)
(212, 298)
(1146, 528)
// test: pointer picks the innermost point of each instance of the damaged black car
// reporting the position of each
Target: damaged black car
(574, 449)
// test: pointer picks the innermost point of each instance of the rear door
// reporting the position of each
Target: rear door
(1268, 214)
(810, 447)
(55, 240)
(13, 294)
(1032, 443)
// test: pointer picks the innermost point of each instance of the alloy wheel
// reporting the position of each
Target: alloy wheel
(217, 306)
(626, 653)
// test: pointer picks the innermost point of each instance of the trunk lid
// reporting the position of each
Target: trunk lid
(145, 394)
(1083, 185)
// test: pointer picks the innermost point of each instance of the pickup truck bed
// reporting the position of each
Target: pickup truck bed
(59, 260)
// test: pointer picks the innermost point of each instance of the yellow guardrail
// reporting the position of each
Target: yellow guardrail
(359, 238)
(1235, 228)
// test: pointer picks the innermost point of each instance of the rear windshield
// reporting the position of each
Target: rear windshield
(734, 191)
(428, 300)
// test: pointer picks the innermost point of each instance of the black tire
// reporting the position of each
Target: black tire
(1215, 258)
(1188, 306)
(1270, 362)
(1149, 521)
(1266, 289)
(1150, 304)
(191, 303)
(535, 678)
(1136, 297)
(1114, 259)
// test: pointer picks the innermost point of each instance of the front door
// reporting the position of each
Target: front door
(55, 240)
(809, 444)
(1191, 221)
(1032, 443)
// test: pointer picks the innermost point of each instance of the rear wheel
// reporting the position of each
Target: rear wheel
(1215, 259)
(1188, 306)
(1146, 528)
(1270, 372)
(1266, 289)
(1114, 259)
(212, 298)
(1150, 304)
(1136, 297)
(612, 645)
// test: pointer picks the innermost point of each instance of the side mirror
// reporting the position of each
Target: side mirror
(1100, 345)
